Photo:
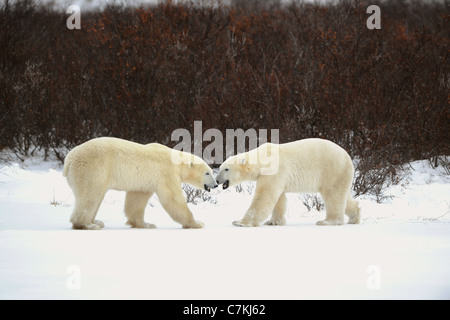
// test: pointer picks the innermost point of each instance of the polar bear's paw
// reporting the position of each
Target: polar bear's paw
(99, 223)
(241, 223)
(194, 225)
(145, 225)
(92, 226)
(148, 226)
(329, 222)
(275, 222)
(141, 225)
(354, 220)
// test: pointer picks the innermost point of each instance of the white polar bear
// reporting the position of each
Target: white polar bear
(101, 164)
(306, 166)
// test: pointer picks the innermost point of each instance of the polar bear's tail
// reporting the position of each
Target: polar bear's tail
(353, 210)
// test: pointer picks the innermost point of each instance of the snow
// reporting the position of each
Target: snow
(401, 249)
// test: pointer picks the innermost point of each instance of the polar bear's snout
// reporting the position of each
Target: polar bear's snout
(221, 179)
(208, 188)
(210, 183)
(226, 184)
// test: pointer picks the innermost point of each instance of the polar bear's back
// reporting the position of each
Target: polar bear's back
(315, 148)
(114, 163)
(106, 151)
(311, 163)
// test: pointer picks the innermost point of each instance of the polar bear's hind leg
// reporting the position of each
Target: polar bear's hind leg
(353, 210)
(335, 207)
(135, 203)
(86, 208)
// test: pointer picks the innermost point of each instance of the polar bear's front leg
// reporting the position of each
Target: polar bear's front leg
(266, 197)
(248, 220)
(277, 218)
(174, 203)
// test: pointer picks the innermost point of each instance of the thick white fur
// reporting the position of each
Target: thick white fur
(306, 166)
(101, 164)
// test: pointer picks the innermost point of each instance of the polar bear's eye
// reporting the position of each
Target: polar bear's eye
(226, 169)
(207, 174)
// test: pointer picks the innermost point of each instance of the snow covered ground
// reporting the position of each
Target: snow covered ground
(401, 250)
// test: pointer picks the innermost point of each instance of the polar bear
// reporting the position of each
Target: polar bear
(306, 166)
(101, 164)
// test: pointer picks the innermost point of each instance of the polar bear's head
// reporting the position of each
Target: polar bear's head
(198, 173)
(205, 176)
(235, 170)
